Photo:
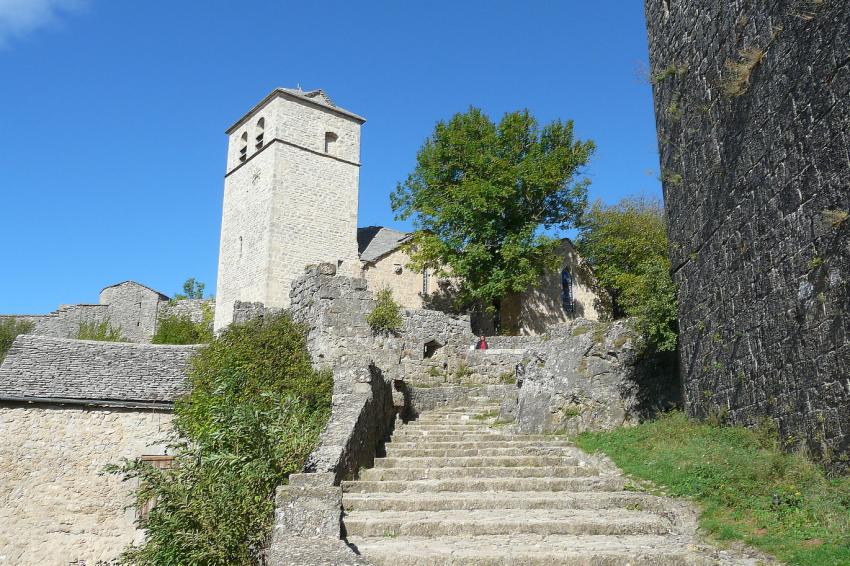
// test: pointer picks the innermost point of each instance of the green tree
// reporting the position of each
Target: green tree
(481, 196)
(626, 246)
(192, 289)
(10, 328)
(253, 414)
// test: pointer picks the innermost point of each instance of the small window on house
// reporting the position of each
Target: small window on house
(567, 291)
(261, 127)
(243, 147)
(159, 461)
(330, 140)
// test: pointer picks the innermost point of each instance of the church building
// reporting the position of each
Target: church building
(290, 200)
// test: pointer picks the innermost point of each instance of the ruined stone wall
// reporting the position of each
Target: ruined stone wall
(65, 321)
(752, 101)
(56, 506)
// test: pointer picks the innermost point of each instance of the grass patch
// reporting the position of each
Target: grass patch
(100, 331)
(507, 378)
(486, 416)
(749, 489)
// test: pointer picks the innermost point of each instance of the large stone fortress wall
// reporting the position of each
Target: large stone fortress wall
(752, 100)
(290, 197)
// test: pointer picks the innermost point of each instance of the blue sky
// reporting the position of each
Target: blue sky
(113, 113)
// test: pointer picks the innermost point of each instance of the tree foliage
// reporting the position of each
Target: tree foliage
(386, 316)
(192, 289)
(481, 195)
(253, 415)
(10, 328)
(181, 329)
(626, 246)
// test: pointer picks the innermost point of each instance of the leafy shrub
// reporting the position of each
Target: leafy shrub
(10, 328)
(253, 415)
(386, 316)
(100, 331)
(181, 329)
(626, 246)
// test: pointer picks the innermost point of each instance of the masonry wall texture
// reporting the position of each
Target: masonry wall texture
(56, 506)
(752, 101)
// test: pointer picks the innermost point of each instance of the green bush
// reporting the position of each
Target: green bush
(385, 318)
(181, 329)
(253, 415)
(748, 488)
(100, 331)
(626, 246)
(10, 328)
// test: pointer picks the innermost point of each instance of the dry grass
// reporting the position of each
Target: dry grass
(738, 81)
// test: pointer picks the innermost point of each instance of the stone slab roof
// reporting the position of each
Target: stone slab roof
(47, 369)
(316, 97)
(374, 242)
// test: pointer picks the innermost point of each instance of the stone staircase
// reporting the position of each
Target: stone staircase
(455, 489)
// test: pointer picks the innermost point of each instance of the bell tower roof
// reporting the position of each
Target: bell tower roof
(316, 98)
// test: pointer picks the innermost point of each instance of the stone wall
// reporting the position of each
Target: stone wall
(56, 506)
(586, 375)
(752, 101)
(129, 306)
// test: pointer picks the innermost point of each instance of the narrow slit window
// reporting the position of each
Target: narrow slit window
(567, 291)
(243, 147)
(261, 130)
(330, 141)
(240, 247)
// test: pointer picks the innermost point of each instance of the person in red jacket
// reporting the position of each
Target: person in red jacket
(482, 343)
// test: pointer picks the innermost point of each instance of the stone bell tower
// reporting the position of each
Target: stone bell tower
(290, 197)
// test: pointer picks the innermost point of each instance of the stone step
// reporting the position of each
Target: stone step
(504, 500)
(475, 461)
(456, 417)
(522, 449)
(446, 428)
(481, 522)
(389, 474)
(592, 483)
(528, 550)
(467, 444)
(493, 436)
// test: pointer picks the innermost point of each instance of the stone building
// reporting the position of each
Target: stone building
(752, 103)
(129, 306)
(68, 408)
(565, 294)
